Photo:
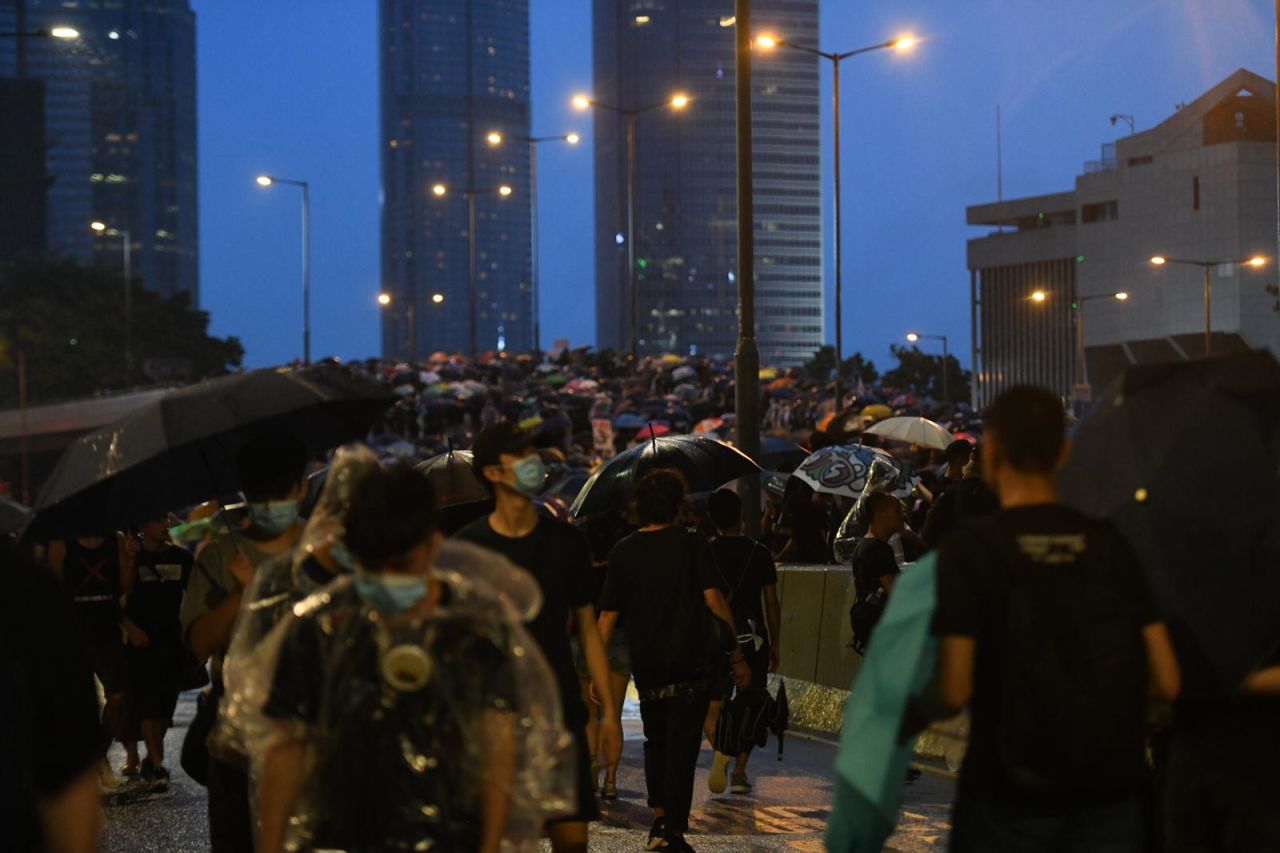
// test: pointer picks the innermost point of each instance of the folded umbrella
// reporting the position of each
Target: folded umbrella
(179, 449)
(1183, 459)
(873, 760)
(919, 431)
(705, 463)
(843, 470)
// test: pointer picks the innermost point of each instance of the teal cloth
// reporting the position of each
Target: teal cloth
(872, 765)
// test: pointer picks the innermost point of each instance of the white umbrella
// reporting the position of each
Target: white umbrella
(919, 431)
(843, 470)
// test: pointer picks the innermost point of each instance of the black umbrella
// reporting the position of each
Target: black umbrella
(454, 479)
(705, 463)
(781, 454)
(1183, 459)
(13, 516)
(180, 448)
(780, 721)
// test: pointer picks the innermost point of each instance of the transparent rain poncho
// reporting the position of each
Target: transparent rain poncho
(882, 476)
(412, 723)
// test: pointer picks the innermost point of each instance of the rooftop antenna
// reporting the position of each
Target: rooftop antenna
(999, 159)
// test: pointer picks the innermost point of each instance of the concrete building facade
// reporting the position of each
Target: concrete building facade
(451, 73)
(1200, 186)
(686, 225)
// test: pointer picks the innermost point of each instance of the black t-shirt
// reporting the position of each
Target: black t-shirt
(746, 568)
(156, 599)
(49, 732)
(973, 589)
(558, 557)
(872, 560)
(92, 577)
(647, 571)
(392, 768)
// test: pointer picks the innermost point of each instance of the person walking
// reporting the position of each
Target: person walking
(875, 565)
(751, 588)
(1047, 630)
(662, 581)
(559, 558)
(270, 468)
(156, 654)
(97, 571)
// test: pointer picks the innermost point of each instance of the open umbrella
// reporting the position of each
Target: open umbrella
(873, 759)
(1183, 459)
(919, 431)
(179, 449)
(13, 516)
(654, 429)
(780, 454)
(877, 412)
(709, 425)
(843, 470)
(454, 478)
(705, 463)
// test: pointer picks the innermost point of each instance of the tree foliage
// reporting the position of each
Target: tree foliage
(854, 368)
(69, 322)
(921, 374)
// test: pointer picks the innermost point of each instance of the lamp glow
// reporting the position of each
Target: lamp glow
(1257, 261)
(439, 189)
(265, 180)
(572, 138)
(98, 226)
(581, 102)
(766, 41)
(494, 138)
(437, 298)
(1122, 296)
(65, 33)
(384, 299)
(1159, 260)
(1039, 296)
(913, 337)
(679, 101)
(504, 190)
(904, 42)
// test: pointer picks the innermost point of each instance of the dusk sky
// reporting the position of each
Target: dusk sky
(291, 87)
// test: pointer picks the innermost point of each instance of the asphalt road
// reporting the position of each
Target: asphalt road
(788, 810)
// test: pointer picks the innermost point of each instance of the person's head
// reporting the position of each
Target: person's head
(155, 531)
(392, 522)
(1025, 435)
(507, 463)
(958, 454)
(271, 468)
(725, 508)
(658, 497)
(885, 515)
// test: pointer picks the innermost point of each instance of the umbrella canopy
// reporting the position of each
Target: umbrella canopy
(454, 478)
(872, 761)
(919, 431)
(780, 454)
(705, 463)
(654, 429)
(628, 420)
(877, 412)
(709, 425)
(179, 449)
(843, 470)
(684, 372)
(13, 516)
(1183, 459)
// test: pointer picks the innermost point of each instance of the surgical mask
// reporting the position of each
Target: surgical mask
(531, 475)
(342, 556)
(391, 593)
(274, 517)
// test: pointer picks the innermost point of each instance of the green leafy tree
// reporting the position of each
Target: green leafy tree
(855, 367)
(68, 322)
(921, 373)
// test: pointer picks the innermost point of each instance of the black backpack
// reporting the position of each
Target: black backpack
(1074, 672)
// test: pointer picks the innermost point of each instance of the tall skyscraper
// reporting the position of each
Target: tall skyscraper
(120, 126)
(686, 228)
(452, 72)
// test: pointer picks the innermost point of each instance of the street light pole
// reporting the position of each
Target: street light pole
(472, 297)
(126, 240)
(747, 357)
(269, 180)
(1208, 310)
(914, 337)
(1208, 267)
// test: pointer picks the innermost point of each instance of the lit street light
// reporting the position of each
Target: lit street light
(102, 229)
(384, 299)
(440, 191)
(1208, 266)
(271, 180)
(533, 143)
(1039, 296)
(915, 337)
(769, 41)
(676, 102)
(1082, 366)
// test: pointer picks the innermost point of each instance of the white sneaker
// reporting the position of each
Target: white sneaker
(107, 779)
(718, 778)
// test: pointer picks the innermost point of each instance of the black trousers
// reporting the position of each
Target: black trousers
(672, 740)
(230, 827)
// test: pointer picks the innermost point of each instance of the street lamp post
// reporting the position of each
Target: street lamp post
(440, 190)
(1208, 267)
(127, 244)
(61, 33)
(913, 337)
(769, 42)
(266, 181)
(533, 142)
(386, 300)
(1082, 366)
(676, 102)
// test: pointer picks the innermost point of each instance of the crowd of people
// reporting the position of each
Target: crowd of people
(385, 675)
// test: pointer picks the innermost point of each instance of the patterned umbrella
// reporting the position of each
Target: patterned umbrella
(843, 470)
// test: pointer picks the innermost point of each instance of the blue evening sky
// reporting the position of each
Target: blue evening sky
(291, 87)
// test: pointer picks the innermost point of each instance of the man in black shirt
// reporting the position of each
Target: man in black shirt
(662, 581)
(50, 746)
(558, 556)
(1048, 631)
(750, 582)
(156, 652)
